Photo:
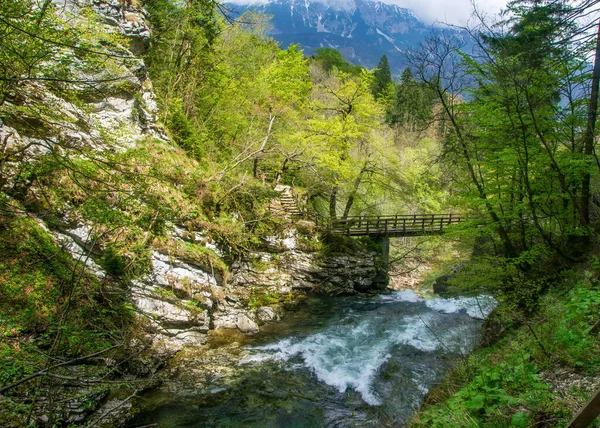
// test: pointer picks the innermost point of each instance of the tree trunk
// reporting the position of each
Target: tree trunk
(279, 173)
(333, 202)
(354, 190)
(588, 149)
(255, 168)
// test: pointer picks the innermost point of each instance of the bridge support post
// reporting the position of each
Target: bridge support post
(382, 278)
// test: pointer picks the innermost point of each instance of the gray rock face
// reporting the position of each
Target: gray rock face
(75, 408)
(181, 276)
(177, 299)
(294, 269)
(129, 19)
(122, 107)
(266, 314)
(287, 271)
(77, 242)
(167, 313)
(246, 325)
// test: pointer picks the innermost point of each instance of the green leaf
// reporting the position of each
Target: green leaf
(477, 402)
(519, 420)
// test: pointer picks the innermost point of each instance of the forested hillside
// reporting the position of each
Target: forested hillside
(145, 147)
(249, 109)
(121, 220)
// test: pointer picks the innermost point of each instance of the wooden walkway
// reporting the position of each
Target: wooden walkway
(391, 226)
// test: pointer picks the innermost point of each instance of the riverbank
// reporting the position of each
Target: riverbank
(543, 367)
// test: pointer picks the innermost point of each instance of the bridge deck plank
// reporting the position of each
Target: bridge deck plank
(393, 226)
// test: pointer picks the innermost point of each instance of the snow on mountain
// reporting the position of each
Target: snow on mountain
(362, 30)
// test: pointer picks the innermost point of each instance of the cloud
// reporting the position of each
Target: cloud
(245, 2)
(448, 11)
(430, 11)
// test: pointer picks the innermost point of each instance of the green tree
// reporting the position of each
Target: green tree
(329, 58)
(382, 78)
(281, 88)
(343, 149)
(413, 105)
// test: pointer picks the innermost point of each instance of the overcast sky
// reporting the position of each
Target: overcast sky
(450, 11)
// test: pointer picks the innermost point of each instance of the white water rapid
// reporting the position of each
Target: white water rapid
(348, 353)
(334, 362)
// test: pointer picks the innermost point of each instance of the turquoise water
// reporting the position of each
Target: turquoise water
(355, 361)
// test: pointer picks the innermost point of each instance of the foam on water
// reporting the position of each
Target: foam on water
(342, 356)
(349, 353)
(401, 296)
(476, 307)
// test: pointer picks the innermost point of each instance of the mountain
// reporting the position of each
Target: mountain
(362, 30)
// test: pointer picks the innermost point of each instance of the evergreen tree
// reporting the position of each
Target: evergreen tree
(382, 78)
(413, 104)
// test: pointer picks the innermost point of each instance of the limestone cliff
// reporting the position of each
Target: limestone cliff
(181, 295)
(98, 173)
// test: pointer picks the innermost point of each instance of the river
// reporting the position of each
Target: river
(336, 362)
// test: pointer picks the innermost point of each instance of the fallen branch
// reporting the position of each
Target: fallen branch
(46, 370)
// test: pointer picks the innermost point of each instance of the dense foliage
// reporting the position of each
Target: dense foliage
(533, 376)
(251, 111)
(505, 135)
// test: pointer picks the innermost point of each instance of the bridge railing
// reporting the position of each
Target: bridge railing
(400, 225)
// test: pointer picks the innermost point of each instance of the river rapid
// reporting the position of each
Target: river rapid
(353, 361)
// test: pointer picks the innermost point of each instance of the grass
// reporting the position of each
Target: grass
(517, 381)
(49, 311)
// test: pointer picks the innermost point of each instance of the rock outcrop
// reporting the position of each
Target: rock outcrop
(286, 269)
(179, 299)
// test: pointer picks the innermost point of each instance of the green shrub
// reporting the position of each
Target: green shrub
(490, 396)
(259, 298)
(113, 262)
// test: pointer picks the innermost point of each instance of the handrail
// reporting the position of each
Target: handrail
(390, 225)
(393, 215)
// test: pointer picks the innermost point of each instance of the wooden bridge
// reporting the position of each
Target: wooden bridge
(391, 226)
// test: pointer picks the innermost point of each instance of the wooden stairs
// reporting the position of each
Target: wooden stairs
(288, 201)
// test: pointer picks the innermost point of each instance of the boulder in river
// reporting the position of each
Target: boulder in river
(266, 314)
(246, 325)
